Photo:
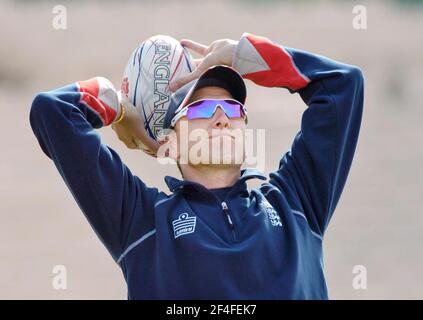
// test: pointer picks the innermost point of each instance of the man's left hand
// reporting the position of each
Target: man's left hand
(218, 52)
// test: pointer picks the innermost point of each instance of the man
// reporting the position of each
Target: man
(211, 237)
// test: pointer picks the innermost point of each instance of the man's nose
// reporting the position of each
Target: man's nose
(220, 119)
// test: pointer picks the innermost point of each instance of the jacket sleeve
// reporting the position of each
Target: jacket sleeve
(314, 171)
(63, 121)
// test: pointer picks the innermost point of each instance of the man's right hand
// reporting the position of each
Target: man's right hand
(131, 131)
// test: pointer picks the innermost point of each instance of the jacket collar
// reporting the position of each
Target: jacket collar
(175, 184)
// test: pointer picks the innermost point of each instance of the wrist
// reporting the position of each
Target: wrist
(239, 59)
(230, 53)
(121, 115)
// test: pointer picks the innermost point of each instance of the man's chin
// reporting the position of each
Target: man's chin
(218, 163)
(219, 157)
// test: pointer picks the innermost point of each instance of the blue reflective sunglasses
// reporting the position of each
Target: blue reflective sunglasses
(205, 109)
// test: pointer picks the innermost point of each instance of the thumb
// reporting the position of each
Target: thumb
(183, 80)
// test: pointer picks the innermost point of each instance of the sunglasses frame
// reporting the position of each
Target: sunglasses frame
(184, 110)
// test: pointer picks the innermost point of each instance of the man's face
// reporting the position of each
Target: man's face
(217, 141)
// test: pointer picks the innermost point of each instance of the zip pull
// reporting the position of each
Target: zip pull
(226, 211)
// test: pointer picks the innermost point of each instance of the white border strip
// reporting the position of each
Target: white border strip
(133, 245)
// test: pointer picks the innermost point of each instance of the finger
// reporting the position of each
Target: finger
(131, 144)
(143, 141)
(126, 140)
(122, 135)
(195, 46)
(181, 81)
(197, 61)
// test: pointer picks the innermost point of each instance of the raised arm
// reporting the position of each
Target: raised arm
(313, 173)
(63, 121)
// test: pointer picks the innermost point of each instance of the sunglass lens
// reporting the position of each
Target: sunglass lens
(207, 108)
(200, 109)
(232, 109)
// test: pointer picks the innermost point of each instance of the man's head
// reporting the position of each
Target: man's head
(216, 138)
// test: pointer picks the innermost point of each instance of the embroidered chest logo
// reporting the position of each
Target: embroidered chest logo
(273, 216)
(184, 225)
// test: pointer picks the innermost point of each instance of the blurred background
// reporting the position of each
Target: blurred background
(378, 222)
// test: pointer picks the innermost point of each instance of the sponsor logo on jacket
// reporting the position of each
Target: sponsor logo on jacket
(273, 216)
(184, 225)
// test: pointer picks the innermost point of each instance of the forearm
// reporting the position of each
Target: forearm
(95, 98)
(322, 152)
(273, 65)
(63, 121)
